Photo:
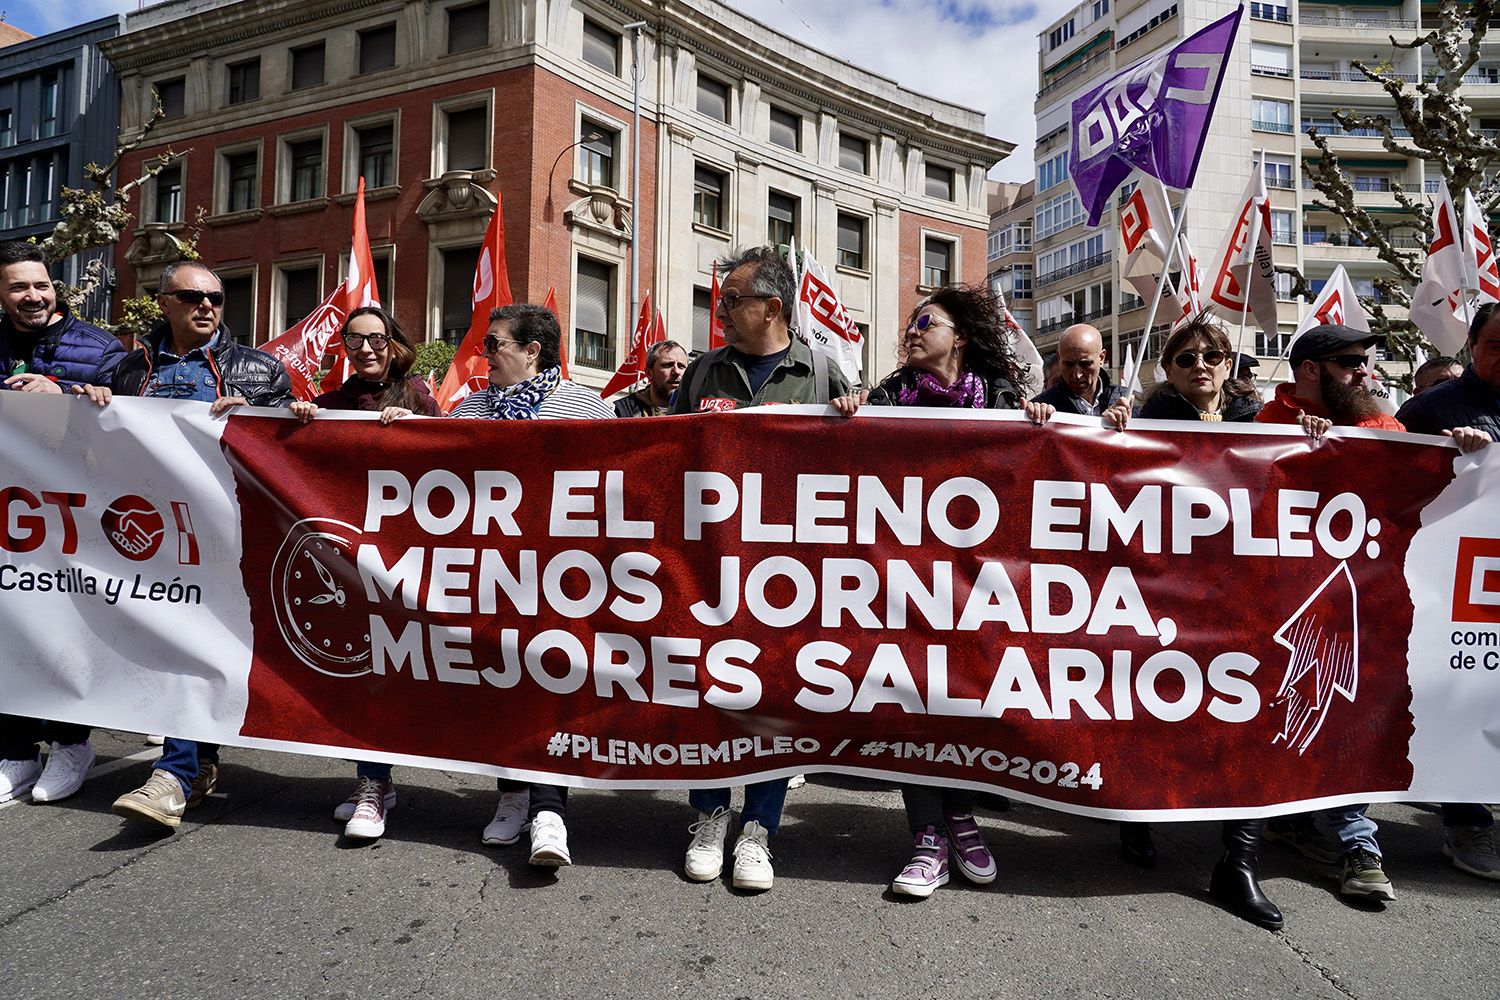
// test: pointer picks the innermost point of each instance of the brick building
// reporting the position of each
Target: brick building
(745, 137)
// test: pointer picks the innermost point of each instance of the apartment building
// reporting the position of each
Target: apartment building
(746, 136)
(1012, 213)
(1292, 66)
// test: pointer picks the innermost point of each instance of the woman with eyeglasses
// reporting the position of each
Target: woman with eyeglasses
(381, 355)
(1197, 357)
(955, 354)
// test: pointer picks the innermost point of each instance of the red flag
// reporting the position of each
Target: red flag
(715, 328)
(300, 349)
(634, 365)
(469, 370)
(658, 332)
(562, 346)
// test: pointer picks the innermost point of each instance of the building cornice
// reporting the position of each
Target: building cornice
(224, 26)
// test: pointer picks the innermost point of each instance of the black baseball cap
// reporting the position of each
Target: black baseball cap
(1328, 338)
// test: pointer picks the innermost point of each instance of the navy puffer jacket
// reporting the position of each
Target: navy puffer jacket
(1466, 401)
(70, 351)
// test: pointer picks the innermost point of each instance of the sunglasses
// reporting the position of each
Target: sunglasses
(193, 296)
(926, 322)
(377, 341)
(492, 343)
(1353, 362)
(733, 299)
(1189, 359)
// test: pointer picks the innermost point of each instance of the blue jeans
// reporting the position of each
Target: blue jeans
(763, 801)
(1349, 826)
(180, 759)
(1467, 814)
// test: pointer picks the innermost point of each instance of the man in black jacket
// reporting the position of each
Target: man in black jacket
(190, 355)
(1084, 387)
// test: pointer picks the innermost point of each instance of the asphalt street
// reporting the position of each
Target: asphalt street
(258, 895)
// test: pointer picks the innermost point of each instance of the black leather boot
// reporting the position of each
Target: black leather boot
(1236, 878)
(1136, 846)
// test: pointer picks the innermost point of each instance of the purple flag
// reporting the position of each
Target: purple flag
(1153, 115)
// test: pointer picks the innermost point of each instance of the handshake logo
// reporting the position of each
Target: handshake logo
(136, 528)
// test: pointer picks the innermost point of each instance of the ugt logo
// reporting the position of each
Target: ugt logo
(1476, 581)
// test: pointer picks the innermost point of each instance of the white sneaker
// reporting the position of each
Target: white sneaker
(796, 781)
(66, 768)
(549, 841)
(17, 777)
(510, 819)
(344, 811)
(153, 740)
(368, 821)
(752, 859)
(705, 855)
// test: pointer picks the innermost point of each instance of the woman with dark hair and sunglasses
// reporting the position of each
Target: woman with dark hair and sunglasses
(381, 355)
(955, 353)
(1197, 357)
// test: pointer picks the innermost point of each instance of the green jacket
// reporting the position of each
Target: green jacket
(715, 382)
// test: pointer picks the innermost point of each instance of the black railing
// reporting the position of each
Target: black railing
(1072, 269)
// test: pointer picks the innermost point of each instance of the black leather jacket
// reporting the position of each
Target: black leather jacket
(243, 371)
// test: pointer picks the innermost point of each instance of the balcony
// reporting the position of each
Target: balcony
(1351, 139)
(1285, 128)
(1356, 22)
(1087, 264)
(1075, 75)
(1280, 71)
(1348, 76)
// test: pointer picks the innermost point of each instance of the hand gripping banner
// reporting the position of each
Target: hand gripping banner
(1173, 621)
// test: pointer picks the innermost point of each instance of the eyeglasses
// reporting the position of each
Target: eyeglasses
(377, 341)
(193, 296)
(1353, 362)
(925, 322)
(492, 343)
(1189, 359)
(732, 299)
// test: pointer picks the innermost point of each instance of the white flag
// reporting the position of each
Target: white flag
(1024, 350)
(1336, 303)
(1480, 273)
(1145, 232)
(1437, 302)
(825, 323)
(1130, 376)
(1243, 267)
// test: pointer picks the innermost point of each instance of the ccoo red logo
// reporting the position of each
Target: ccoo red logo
(1476, 581)
(134, 527)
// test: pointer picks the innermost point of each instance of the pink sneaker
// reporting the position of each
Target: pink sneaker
(368, 821)
(970, 853)
(928, 867)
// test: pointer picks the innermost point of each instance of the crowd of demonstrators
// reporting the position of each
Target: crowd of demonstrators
(955, 354)
(44, 348)
(665, 363)
(380, 355)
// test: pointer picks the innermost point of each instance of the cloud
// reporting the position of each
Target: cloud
(978, 53)
(41, 17)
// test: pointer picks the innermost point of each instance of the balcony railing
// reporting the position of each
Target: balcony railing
(1076, 73)
(1333, 128)
(1072, 269)
(1283, 183)
(1284, 128)
(1270, 70)
(1349, 76)
(1371, 23)
(1260, 12)
(1430, 186)
(1345, 239)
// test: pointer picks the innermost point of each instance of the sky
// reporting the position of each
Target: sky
(978, 53)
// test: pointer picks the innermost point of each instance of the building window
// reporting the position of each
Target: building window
(937, 262)
(601, 47)
(708, 197)
(1101, 7)
(1060, 34)
(307, 65)
(1269, 12)
(377, 48)
(781, 218)
(1270, 60)
(242, 173)
(1283, 282)
(459, 266)
(7, 128)
(713, 98)
(239, 307)
(1270, 116)
(375, 158)
(702, 319)
(1052, 171)
(854, 153)
(171, 95)
(244, 81)
(1281, 228)
(468, 27)
(593, 321)
(786, 129)
(465, 138)
(596, 157)
(168, 194)
(304, 166)
(852, 229)
(51, 99)
(300, 291)
(939, 182)
(1020, 282)
(1277, 172)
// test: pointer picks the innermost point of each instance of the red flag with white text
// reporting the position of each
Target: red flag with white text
(715, 328)
(634, 366)
(470, 370)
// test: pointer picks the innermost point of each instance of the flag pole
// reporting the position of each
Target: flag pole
(1239, 346)
(1166, 267)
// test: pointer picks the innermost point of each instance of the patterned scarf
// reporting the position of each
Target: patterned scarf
(966, 391)
(521, 401)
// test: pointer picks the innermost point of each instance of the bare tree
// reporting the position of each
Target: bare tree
(1430, 123)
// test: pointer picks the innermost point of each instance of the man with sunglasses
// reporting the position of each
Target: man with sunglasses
(190, 355)
(44, 349)
(1329, 366)
(1083, 386)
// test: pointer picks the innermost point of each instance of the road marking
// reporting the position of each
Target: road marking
(98, 770)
